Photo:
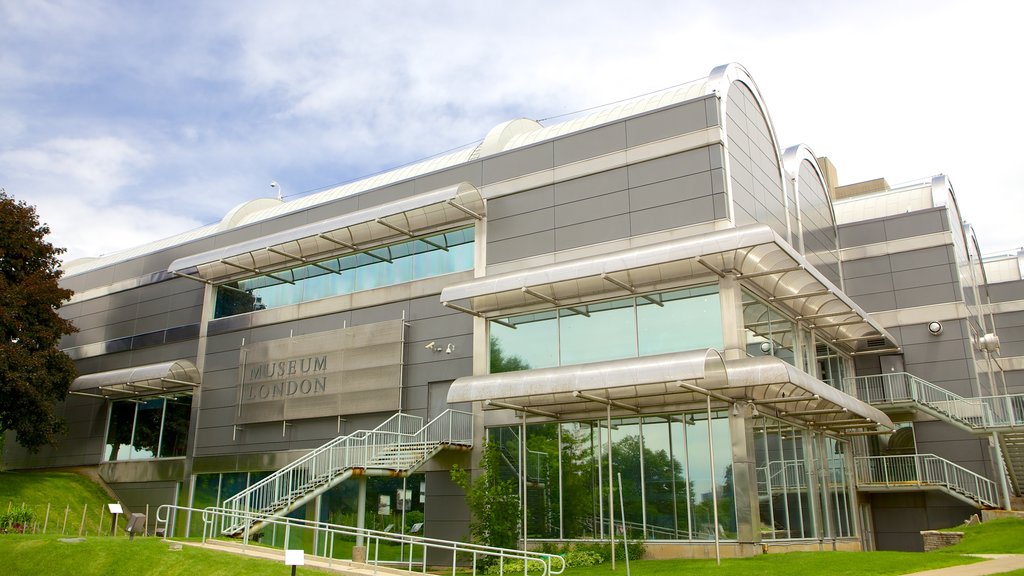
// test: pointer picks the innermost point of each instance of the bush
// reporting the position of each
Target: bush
(581, 558)
(16, 521)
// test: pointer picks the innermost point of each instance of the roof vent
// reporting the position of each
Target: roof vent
(876, 343)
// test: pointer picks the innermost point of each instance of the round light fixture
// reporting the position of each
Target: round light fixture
(935, 328)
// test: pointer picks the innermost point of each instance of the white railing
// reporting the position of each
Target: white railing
(903, 387)
(463, 555)
(782, 474)
(399, 443)
(1004, 411)
(925, 470)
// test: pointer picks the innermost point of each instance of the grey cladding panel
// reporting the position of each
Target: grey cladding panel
(668, 167)
(589, 144)
(923, 258)
(680, 119)
(521, 225)
(1007, 291)
(385, 195)
(521, 203)
(672, 216)
(464, 173)
(613, 204)
(517, 163)
(592, 232)
(582, 188)
(671, 191)
(915, 224)
(521, 247)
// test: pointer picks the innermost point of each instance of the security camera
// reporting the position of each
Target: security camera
(430, 346)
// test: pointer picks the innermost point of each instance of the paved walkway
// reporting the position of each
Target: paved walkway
(997, 564)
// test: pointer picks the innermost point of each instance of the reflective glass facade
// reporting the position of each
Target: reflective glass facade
(673, 321)
(149, 428)
(385, 266)
(666, 467)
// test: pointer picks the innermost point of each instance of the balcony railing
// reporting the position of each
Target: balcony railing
(974, 413)
(925, 470)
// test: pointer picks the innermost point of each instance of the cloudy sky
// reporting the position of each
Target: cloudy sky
(124, 122)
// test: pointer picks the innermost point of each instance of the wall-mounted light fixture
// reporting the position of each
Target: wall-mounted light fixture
(766, 348)
(449, 348)
(935, 328)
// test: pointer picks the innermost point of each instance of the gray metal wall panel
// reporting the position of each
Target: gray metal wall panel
(387, 194)
(471, 173)
(518, 162)
(668, 122)
(916, 223)
(521, 247)
(596, 208)
(669, 167)
(591, 143)
(672, 216)
(586, 187)
(518, 204)
(521, 225)
(592, 232)
(1006, 291)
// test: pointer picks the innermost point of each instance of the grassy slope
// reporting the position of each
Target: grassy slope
(27, 554)
(62, 490)
(1003, 536)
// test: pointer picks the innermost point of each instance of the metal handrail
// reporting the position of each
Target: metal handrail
(401, 442)
(925, 469)
(324, 533)
(974, 413)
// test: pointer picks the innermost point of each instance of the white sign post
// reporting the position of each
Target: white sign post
(294, 558)
(115, 509)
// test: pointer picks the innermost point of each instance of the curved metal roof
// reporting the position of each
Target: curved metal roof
(754, 253)
(140, 381)
(671, 381)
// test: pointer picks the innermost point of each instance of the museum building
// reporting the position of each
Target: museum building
(654, 301)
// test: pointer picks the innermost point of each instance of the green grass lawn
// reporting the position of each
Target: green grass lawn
(102, 556)
(1003, 536)
(63, 491)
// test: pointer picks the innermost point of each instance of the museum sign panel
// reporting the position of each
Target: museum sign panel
(347, 371)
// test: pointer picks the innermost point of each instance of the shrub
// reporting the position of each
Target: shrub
(16, 520)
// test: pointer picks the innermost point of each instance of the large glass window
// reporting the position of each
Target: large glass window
(769, 333)
(385, 266)
(150, 428)
(783, 481)
(669, 481)
(832, 367)
(659, 323)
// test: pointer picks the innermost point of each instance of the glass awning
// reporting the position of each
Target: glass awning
(353, 232)
(675, 381)
(140, 381)
(754, 254)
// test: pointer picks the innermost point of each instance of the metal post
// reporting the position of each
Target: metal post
(361, 510)
(625, 537)
(1001, 466)
(522, 474)
(611, 491)
(714, 488)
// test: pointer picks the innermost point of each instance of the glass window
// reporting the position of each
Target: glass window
(769, 333)
(659, 323)
(678, 321)
(596, 332)
(119, 431)
(151, 428)
(524, 342)
(384, 266)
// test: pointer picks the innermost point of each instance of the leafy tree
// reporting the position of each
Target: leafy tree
(34, 374)
(493, 501)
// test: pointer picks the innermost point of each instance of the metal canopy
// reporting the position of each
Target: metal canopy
(671, 381)
(139, 382)
(754, 254)
(352, 232)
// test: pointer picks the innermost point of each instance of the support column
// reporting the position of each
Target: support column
(744, 477)
(361, 509)
(731, 302)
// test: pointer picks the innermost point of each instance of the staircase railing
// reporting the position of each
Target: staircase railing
(976, 413)
(398, 443)
(924, 470)
(464, 556)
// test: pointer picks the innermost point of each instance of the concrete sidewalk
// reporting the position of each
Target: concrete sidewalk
(997, 564)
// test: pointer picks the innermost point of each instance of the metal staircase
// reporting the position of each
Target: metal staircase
(397, 447)
(925, 471)
(1001, 416)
